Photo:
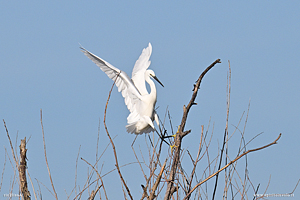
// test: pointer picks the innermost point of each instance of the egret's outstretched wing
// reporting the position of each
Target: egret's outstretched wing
(139, 69)
(123, 82)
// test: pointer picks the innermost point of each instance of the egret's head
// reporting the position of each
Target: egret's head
(152, 75)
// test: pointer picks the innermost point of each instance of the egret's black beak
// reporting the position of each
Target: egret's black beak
(157, 80)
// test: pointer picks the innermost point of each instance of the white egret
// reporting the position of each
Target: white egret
(139, 102)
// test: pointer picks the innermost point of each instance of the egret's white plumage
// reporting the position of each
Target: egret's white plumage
(139, 102)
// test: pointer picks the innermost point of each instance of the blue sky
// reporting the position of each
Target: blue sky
(42, 67)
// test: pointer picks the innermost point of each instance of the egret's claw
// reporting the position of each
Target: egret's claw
(173, 146)
(178, 129)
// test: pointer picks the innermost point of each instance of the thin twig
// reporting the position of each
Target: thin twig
(153, 189)
(31, 184)
(94, 192)
(93, 171)
(196, 161)
(14, 156)
(295, 187)
(76, 170)
(44, 186)
(226, 130)
(99, 177)
(55, 194)
(13, 167)
(139, 163)
(255, 194)
(97, 143)
(237, 158)
(3, 172)
(86, 187)
(262, 196)
(11, 146)
(220, 162)
(113, 145)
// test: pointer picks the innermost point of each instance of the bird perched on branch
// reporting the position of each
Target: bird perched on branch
(139, 102)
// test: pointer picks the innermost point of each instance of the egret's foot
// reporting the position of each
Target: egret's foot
(174, 136)
(176, 132)
(173, 146)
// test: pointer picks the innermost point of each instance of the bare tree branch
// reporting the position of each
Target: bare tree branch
(180, 133)
(46, 156)
(11, 146)
(113, 145)
(295, 187)
(22, 170)
(32, 185)
(237, 158)
(220, 162)
(195, 162)
(153, 189)
(94, 192)
(75, 187)
(3, 171)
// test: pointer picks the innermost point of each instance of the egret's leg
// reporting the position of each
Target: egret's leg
(162, 137)
(134, 140)
(149, 121)
(157, 120)
(174, 134)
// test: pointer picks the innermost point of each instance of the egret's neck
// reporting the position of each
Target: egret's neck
(152, 87)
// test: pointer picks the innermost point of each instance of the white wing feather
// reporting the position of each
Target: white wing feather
(124, 83)
(139, 69)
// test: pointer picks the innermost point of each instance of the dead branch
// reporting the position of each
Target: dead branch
(295, 187)
(226, 136)
(139, 163)
(255, 194)
(231, 162)
(94, 192)
(22, 170)
(153, 189)
(32, 185)
(99, 177)
(11, 146)
(220, 162)
(145, 194)
(180, 133)
(46, 156)
(195, 92)
(3, 172)
(75, 187)
(113, 145)
(14, 156)
(196, 161)
(39, 182)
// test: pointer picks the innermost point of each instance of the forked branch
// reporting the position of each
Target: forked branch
(195, 92)
(180, 133)
(231, 162)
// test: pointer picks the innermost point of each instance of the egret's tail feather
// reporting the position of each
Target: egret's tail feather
(133, 128)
